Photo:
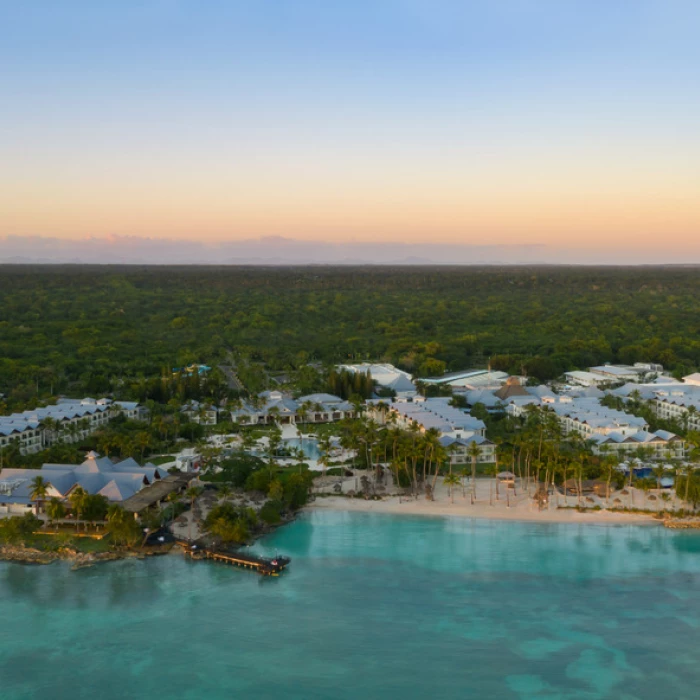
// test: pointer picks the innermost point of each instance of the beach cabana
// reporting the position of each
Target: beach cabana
(507, 478)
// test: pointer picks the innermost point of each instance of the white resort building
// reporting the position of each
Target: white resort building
(200, 413)
(459, 450)
(610, 430)
(470, 379)
(614, 374)
(116, 481)
(386, 376)
(275, 407)
(669, 399)
(581, 412)
(680, 403)
(69, 420)
(457, 429)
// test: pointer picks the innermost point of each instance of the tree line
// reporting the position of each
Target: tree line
(96, 330)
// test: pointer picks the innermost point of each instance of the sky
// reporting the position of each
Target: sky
(567, 125)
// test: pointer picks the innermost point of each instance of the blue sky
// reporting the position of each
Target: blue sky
(522, 121)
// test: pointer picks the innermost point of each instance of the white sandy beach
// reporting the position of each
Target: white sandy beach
(520, 508)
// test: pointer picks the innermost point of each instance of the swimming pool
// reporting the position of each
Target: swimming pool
(308, 445)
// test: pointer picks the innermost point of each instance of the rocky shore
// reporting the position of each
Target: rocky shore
(31, 555)
(682, 523)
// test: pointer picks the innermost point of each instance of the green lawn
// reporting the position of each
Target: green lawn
(161, 460)
(53, 542)
(87, 544)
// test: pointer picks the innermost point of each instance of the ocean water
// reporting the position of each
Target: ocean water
(372, 606)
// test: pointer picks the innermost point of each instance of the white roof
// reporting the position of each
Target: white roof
(381, 373)
(96, 474)
(618, 370)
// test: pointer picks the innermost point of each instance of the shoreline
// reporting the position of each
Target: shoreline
(478, 511)
(20, 554)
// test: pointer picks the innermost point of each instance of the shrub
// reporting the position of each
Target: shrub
(258, 481)
(237, 469)
(271, 512)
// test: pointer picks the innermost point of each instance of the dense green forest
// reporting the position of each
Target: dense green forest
(90, 328)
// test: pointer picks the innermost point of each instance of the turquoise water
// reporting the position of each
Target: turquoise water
(372, 606)
(309, 446)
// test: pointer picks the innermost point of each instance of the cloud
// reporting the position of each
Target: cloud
(279, 250)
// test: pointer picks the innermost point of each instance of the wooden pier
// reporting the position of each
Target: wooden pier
(262, 565)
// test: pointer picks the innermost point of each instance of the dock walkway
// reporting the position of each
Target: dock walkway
(262, 565)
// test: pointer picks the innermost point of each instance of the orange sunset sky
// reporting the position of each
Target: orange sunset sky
(558, 124)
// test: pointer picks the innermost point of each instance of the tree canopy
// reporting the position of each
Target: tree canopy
(99, 329)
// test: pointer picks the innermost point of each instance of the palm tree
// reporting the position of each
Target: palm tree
(224, 492)
(693, 439)
(39, 491)
(55, 510)
(121, 525)
(50, 426)
(115, 513)
(434, 452)
(451, 480)
(498, 452)
(474, 452)
(610, 465)
(303, 413)
(83, 427)
(493, 471)
(201, 414)
(463, 475)
(645, 488)
(665, 497)
(143, 441)
(299, 457)
(688, 471)
(248, 441)
(658, 472)
(325, 446)
(77, 502)
(61, 430)
(173, 498)
(577, 469)
(273, 413)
